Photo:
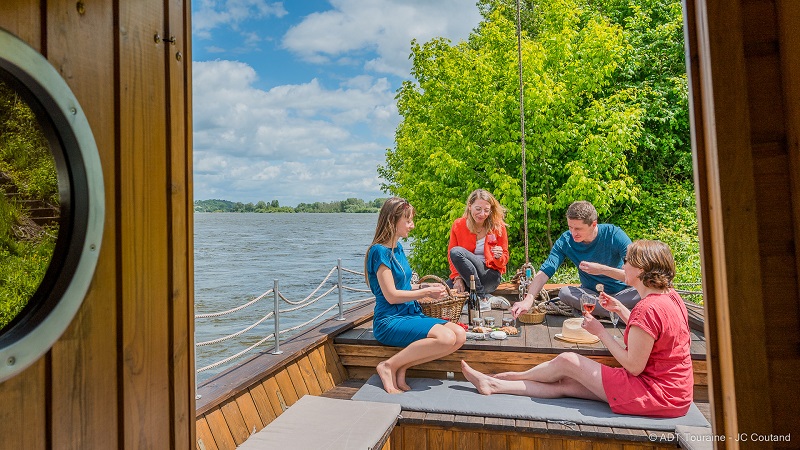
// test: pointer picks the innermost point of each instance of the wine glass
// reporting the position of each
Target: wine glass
(491, 239)
(614, 320)
(588, 302)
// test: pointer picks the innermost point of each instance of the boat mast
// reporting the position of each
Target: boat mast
(522, 134)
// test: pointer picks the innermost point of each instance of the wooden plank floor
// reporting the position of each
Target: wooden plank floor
(533, 338)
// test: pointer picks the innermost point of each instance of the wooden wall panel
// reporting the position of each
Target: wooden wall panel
(788, 16)
(24, 19)
(746, 58)
(785, 359)
(122, 375)
(181, 206)
(75, 42)
(23, 412)
(142, 234)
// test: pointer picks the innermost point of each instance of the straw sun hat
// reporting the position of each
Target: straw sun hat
(573, 332)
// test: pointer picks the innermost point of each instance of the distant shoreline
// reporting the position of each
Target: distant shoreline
(351, 205)
(290, 212)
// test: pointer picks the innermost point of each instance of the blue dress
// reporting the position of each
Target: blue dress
(401, 324)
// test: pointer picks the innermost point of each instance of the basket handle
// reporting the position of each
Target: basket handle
(437, 279)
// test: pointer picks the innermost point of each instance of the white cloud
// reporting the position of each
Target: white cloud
(292, 142)
(211, 14)
(383, 26)
(309, 140)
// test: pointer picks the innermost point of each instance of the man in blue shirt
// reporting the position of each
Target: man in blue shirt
(597, 250)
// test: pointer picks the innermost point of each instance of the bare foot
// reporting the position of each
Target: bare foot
(387, 378)
(482, 382)
(401, 380)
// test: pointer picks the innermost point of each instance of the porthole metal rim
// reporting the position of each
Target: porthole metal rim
(39, 339)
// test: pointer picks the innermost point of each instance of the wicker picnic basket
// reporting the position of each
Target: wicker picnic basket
(537, 312)
(448, 308)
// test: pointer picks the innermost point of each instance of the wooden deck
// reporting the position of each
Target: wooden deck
(334, 358)
(360, 352)
(533, 338)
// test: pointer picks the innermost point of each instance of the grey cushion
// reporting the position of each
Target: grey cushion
(694, 438)
(327, 423)
(461, 397)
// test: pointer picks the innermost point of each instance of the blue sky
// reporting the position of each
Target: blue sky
(295, 100)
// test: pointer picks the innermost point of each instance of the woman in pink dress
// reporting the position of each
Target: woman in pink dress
(656, 377)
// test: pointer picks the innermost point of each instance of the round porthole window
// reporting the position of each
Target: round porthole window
(51, 205)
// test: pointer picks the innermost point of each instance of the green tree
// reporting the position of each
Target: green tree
(460, 127)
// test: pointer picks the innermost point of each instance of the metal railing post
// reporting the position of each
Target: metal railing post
(341, 303)
(194, 344)
(277, 350)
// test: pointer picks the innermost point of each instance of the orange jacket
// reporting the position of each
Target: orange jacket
(460, 236)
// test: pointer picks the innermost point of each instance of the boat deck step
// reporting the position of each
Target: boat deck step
(330, 423)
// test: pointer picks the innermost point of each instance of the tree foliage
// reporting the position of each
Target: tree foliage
(606, 120)
(461, 125)
(351, 205)
(27, 173)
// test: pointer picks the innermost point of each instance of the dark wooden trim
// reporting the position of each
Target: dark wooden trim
(227, 384)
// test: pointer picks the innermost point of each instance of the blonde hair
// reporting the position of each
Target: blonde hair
(394, 209)
(655, 260)
(495, 221)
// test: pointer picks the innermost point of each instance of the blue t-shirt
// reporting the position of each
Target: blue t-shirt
(401, 272)
(608, 248)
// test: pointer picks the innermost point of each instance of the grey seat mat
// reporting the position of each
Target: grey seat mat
(461, 397)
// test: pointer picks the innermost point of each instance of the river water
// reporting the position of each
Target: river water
(237, 257)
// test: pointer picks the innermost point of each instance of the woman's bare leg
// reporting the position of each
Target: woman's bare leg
(460, 338)
(552, 378)
(441, 343)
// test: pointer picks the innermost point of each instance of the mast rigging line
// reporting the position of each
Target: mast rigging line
(522, 134)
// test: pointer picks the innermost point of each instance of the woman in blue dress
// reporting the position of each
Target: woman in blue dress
(398, 320)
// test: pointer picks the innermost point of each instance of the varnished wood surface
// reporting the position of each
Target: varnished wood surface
(360, 352)
(230, 421)
(75, 43)
(533, 338)
(743, 65)
(234, 380)
(122, 374)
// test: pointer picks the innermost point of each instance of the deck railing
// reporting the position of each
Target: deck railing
(275, 313)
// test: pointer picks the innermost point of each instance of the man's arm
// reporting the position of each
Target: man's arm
(534, 288)
(599, 269)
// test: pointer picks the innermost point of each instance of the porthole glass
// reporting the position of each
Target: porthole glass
(29, 204)
(51, 205)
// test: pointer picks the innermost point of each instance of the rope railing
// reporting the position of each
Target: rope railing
(240, 332)
(276, 313)
(230, 311)
(347, 288)
(303, 305)
(312, 292)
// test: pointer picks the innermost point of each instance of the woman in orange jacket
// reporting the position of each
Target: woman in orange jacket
(478, 244)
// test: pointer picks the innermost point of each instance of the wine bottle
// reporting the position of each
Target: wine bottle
(474, 303)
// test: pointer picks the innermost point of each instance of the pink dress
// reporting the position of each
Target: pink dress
(665, 386)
